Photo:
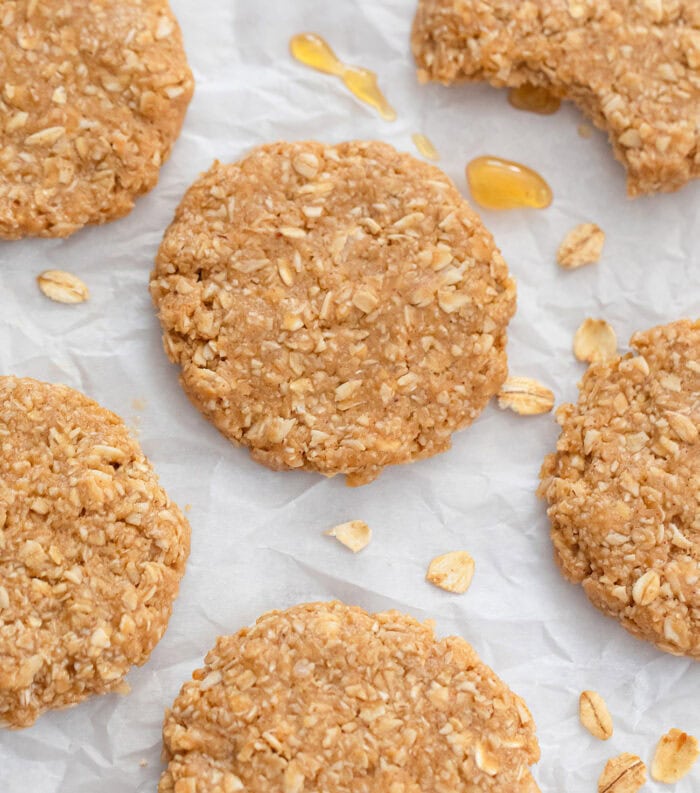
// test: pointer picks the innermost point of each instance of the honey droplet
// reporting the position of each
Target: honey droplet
(312, 50)
(502, 184)
(534, 98)
(362, 83)
(425, 146)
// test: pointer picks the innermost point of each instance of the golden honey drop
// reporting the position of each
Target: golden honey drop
(311, 50)
(425, 146)
(503, 184)
(534, 98)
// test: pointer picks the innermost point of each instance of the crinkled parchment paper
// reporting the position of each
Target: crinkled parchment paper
(257, 539)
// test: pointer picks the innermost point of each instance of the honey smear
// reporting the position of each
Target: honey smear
(425, 146)
(314, 51)
(534, 99)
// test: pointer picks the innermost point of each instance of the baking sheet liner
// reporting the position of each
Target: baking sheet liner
(257, 539)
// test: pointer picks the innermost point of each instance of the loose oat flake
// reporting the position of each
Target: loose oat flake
(675, 755)
(452, 571)
(625, 773)
(63, 287)
(594, 715)
(582, 245)
(354, 534)
(595, 341)
(525, 396)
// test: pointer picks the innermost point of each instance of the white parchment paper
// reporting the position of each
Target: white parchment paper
(257, 539)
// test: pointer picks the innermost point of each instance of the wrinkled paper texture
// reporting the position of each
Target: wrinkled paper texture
(257, 541)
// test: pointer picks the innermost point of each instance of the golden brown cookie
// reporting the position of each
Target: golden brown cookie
(91, 550)
(92, 98)
(334, 308)
(326, 697)
(633, 66)
(624, 487)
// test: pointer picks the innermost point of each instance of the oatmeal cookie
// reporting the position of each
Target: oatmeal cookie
(92, 98)
(334, 308)
(326, 697)
(624, 487)
(91, 550)
(632, 66)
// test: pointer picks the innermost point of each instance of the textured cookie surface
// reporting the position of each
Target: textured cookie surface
(93, 96)
(624, 488)
(325, 697)
(91, 550)
(633, 66)
(333, 308)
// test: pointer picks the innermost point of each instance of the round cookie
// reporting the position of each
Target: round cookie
(624, 488)
(91, 550)
(334, 308)
(327, 697)
(93, 97)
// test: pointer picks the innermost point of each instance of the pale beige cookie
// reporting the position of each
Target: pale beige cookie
(92, 98)
(334, 308)
(91, 550)
(326, 697)
(633, 66)
(624, 487)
